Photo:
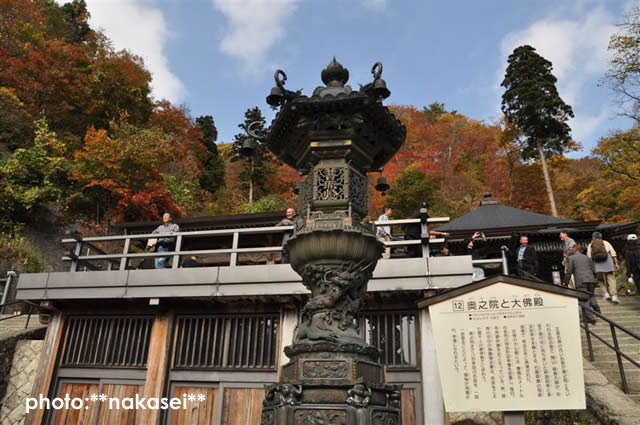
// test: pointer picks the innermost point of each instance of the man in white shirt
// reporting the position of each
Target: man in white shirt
(384, 232)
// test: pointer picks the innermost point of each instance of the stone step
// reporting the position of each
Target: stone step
(599, 348)
(622, 339)
(623, 306)
(603, 328)
(619, 310)
(635, 397)
(630, 369)
(610, 356)
(16, 325)
(614, 378)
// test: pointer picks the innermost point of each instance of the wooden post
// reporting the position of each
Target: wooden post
(513, 418)
(44, 373)
(157, 364)
(125, 251)
(234, 255)
(176, 258)
(432, 398)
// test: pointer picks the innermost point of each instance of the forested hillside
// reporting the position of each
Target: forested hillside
(84, 144)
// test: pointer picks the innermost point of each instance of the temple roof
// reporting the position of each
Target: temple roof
(493, 215)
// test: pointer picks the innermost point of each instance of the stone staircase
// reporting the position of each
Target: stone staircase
(627, 314)
(17, 325)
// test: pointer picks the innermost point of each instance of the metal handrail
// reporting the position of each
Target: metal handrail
(615, 347)
(12, 316)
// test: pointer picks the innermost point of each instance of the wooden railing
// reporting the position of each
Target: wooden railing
(86, 253)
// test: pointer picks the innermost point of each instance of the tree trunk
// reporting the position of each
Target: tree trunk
(547, 179)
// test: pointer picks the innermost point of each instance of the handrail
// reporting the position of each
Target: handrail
(12, 316)
(120, 259)
(615, 347)
(196, 233)
(410, 221)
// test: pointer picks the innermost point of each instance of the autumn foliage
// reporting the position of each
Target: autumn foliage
(82, 138)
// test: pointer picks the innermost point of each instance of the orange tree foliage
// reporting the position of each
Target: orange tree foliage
(57, 66)
(458, 155)
(123, 171)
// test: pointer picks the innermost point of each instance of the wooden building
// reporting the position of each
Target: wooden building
(120, 329)
(504, 225)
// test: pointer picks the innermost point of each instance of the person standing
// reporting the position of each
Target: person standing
(383, 233)
(632, 260)
(567, 250)
(567, 247)
(290, 219)
(580, 267)
(606, 264)
(165, 244)
(526, 258)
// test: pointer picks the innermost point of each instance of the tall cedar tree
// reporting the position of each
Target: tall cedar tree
(212, 177)
(532, 102)
(262, 163)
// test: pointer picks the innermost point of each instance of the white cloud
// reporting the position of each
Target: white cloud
(254, 27)
(142, 29)
(374, 4)
(583, 125)
(576, 47)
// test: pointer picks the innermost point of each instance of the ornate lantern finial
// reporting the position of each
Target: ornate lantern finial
(335, 74)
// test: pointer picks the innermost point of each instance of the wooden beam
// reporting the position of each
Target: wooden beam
(46, 366)
(157, 366)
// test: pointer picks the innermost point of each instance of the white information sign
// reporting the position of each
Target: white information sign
(505, 347)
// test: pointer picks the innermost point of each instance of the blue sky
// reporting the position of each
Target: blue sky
(218, 56)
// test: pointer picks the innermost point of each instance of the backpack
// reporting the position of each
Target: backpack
(599, 253)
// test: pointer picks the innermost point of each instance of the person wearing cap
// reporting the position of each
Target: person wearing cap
(605, 270)
(632, 260)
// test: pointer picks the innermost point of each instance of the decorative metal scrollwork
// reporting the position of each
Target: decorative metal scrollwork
(280, 78)
(258, 134)
(330, 184)
(359, 188)
(376, 70)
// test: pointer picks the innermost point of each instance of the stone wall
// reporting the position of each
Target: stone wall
(20, 381)
(7, 348)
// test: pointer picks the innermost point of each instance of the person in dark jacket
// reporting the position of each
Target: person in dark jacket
(632, 260)
(191, 262)
(581, 268)
(525, 256)
(413, 231)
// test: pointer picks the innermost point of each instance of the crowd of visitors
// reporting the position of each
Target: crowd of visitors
(598, 264)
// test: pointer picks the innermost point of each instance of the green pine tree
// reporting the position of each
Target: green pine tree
(212, 177)
(531, 101)
(261, 164)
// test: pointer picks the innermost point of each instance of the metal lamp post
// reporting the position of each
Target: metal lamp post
(333, 137)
